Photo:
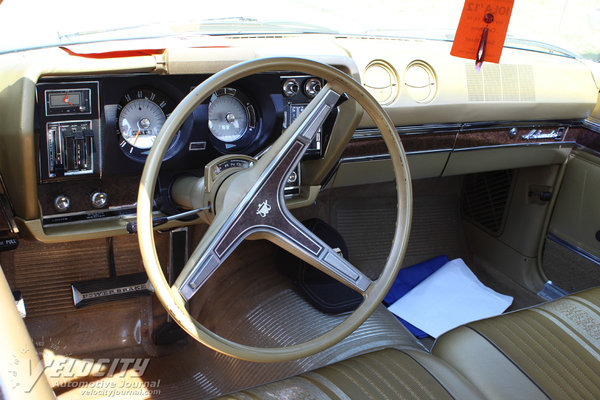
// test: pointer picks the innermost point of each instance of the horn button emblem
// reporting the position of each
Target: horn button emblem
(263, 209)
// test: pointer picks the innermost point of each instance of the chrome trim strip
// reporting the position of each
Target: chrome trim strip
(465, 127)
(489, 125)
(384, 156)
(574, 249)
(372, 157)
(100, 211)
(499, 146)
(366, 134)
(411, 153)
(587, 150)
(591, 125)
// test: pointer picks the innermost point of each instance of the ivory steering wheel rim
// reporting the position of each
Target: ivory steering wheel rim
(171, 297)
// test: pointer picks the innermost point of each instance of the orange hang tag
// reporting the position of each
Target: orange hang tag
(482, 29)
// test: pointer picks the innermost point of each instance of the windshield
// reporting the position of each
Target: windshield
(541, 25)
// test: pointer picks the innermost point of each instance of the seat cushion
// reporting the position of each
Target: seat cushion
(385, 374)
(548, 351)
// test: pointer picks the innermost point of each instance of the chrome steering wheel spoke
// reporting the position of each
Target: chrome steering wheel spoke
(298, 240)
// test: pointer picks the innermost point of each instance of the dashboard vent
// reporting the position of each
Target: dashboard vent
(381, 80)
(420, 81)
(505, 82)
(485, 199)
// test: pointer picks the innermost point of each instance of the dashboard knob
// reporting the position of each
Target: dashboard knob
(312, 87)
(293, 177)
(99, 199)
(62, 203)
(290, 88)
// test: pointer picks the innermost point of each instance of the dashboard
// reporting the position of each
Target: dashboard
(95, 133)
(78, 122)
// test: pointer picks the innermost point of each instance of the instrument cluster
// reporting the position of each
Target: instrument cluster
(101, 128)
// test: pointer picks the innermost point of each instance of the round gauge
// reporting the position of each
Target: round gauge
(139, 122)
(227, 118)
(142, 113)
(231, 117)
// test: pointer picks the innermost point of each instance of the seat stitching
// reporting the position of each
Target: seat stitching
(517, 366)
(433, 376)
(357, 371)
(558, 379)
(541, 352)
(579, 341)
(576, 335)
(320, 382)
(245, 393)
(341, 370)
(523, 346)
(565, 355)
(387, 383)
(407, 372)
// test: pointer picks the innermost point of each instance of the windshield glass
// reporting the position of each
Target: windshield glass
(541, 25)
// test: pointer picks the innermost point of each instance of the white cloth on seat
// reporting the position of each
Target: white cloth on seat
(450, 297)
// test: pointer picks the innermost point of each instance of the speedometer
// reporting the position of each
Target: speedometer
(227, 118)
(231, 118)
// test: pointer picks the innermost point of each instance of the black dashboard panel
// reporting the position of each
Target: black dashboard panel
(99, 129)
(194, 144)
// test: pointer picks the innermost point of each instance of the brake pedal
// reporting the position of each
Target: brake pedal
(87, 293)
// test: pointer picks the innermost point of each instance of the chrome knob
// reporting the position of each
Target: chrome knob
(99, 199)
(290, 88)
(312, 87)
(62, 203)
(293, 177)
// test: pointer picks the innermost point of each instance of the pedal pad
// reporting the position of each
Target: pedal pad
(87, 293)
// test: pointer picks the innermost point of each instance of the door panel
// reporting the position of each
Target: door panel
(572, 249)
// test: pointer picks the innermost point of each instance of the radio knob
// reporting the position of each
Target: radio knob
(62, 203)
(99, 199)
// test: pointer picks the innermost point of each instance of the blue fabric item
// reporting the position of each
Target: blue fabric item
(407, 279)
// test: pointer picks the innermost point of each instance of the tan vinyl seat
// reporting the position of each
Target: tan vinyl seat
(384, 374)
(549, 351)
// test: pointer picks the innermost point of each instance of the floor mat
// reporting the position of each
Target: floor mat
(252, 303)
(367, 221)
(567, 269)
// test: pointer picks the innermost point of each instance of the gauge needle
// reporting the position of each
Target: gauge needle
(66, 99)
(135, 138)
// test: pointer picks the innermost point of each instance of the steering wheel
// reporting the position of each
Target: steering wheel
(251, 202)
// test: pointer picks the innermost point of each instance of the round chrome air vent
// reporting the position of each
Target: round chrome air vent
(381, 80)
(420, 82)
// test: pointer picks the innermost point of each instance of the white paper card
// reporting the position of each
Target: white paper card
(450, 297)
